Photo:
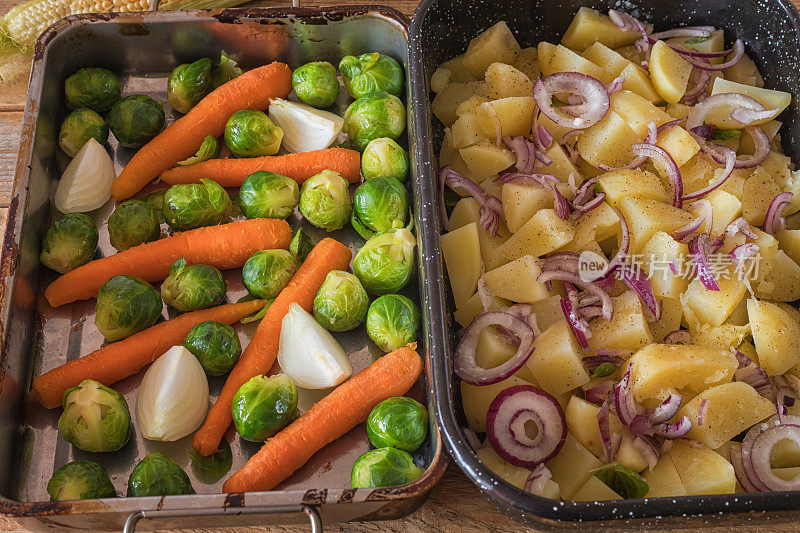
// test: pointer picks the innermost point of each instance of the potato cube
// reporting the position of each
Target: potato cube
(702, 471)
(627, 330)
(779, 167)
(745, 72)
(504, 81)
(548, 311)
(780, 280)
(476, 400)
(448, 99)
(663, 479)
(789, 240)
(467, 131)
(670, 72)
(494, 349)
(620, 184)
(514, 113)
(677, 142)
(517, 280)
(771, 128)
(776, 336)
(558, 362)
(714, 307)
(637, 80)
(671, 314)
(608, 142)
(521, 202)
(589, 26)
(545, 51)
(725, 208)
(485, 159)
(561, 167)
(606, 58)
(722, 336)
(456, 72)
(573, 466)
(467, 211)
(637, 112)
(471, 105)
(759, 190)
(581, 417)
(565, 60)
(595, 490)
(467, 311)
(661, 254)
(461, 250)
(628, 455)
(716, 43)
(645, 217)
(449, 156)
(598, 224)
(542, 234)
(769, 98)
(516, 475)
(495, 45)
(528, 63)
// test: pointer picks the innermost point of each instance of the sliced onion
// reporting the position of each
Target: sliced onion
(704, 131)
(706, 218)
(588, 206)
(747, 453)
(559, 275)
(537, 132)
(740, 225)
(595, 98)
(743, 253)
(604, 422)
(445, 220)
(702, 78)
(661, 156)
(737, 51)
(698, 252)
(667, 409)
(738, 467)
(641, 425)
(585, 192)
(536, 179)
(472, 438)
(701, 413)
(616, 85)
(505, 425)
(750, 373)
(491, 209)
(484, 294)
(623, 399)
(679, 336)
(561, 261)
(545, 136)
(626, 22)
(594, 361)
(784, 399)
(681, 32)
(667, 125)
(675, 430)
(537, 479)
(635, 278)
(598, 393)
(760, 141)
(774, 221)
(524, 151)
(730, 164)
(649, 448)
(580, 329)
(760, 456)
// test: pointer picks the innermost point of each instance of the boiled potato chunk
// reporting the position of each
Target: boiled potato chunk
(780, 280)
(645, 217)
(495, 45)
(663, 479)
(789, 240)
(661, 253)
(714, 307)
(573, 466)
(548, 311)
(724, 335)
(467, 131)
(677, 142)
(545, 51)
(671, 314)
(494, 349)
(637, 112)
(769, 98)
(521, 202)
(471, 105)
(608, 142)
(514, 113)
(542, 234)
(669, 71)
(620, 184)
(745, 72)
(467, 311)
(702, 471)
(638, 81)
(606, 58)
(528, 63)
(715, 43)
(486, 159)
(448, 99)
(725, 208)
(476, 400)
(557, 361)
(759, 190)
(517, 280)
(776, 336)
(595, 490)
(627, 330)
(516, 475)
(561, 167)
(449, 156)
(565, 60)
(582, 423)
(461, 250)
(589, 26)
(598, 224)
(467, 211)
(628, 455)
(504, 81)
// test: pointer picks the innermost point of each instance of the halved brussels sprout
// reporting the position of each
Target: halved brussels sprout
(136, 119)
(216, 346)
(384, 467)
(379, 204)
(301, 246)
(92, 87)
(80, 126)
(325, 200)
(316, 84)
(392, 321)
(386, 261)
(69, 243)
(399, 422)
(384, 157)
(371, 73)
(132, 223)
(209, 149)
(263, 406)
(224, 70)
(194, 205)
(267, 272)
(268, 195)
(193, 287)
(188, 84)
(374, 116)
(158, 475)
(341, 302)
(251, 133)
(95, 418)
(126, 305)
(80, 480)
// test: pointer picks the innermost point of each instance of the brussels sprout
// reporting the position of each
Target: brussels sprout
(158, 475)
(371, 73)
(398, 422)
(194, 205)
(80, 480)
(251, 133)
(132, 223)
(95, 418)
(266, 272)
(208, 150)
(379, 204)
(210, 469)
(192, 287)
(69, 243)
(155, 200)
(385, 263)
(268, 195)
(263, 406)
(80, 126)
(126, 305)
(384, 467)
(95, 88)
(188, 84)
(384, 157)
(341, 302)
(136, 119)
(224, 70)
(325, 200)
(301, 246)
(374, 116)
(216, 346)
(392, 321)
(315, 84)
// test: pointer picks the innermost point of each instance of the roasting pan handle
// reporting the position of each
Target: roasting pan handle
(309, 510)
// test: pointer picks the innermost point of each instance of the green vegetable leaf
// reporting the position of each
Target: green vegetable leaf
(697, 40)
(301, 245)
(257, 316)
(724, 135)
(362, 230)
(604, 370)
(622, 480)
(210, 469)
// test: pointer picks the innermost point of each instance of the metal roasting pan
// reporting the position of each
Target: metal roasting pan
(441, 30)
(143, 48)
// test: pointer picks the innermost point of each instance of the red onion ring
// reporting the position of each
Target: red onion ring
(705, 218)
(595, 98)
(698, 253)
(616, 85)
(623, 399)
(636, 280)
(524, 151)
(730, 164)
(760, 456)
(588, 206)
(491, 209)
(667, 409)
(774, 220)
(738, 468)
(649, 448)
(658, 154)
(673, 431)
(679, 336)
(760, 141)
(667, 125)
(580, 329)
(559, 275)
(567, 261)
(538, 132)
(702, 78)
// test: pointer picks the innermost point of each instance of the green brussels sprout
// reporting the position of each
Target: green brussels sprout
(379, 204)
(92, 87)
(325, 200)
(158, 475)
(268, 195)
(193, 287)
(301, 246)
(224, 70)
(384, 467)
(155, 200)
(80, 480)
(374, 116)
(208, 150)
(316, 84)
(194, 205)
(371, 73)
(188, 84)
(210, 469)
(251, 133)
(341, 302)
(69, 243)
(392, 321)
(384, 157)
(126, 305)
(132, 223)
(216, 346)
(386, 261)
(80, 126)
(136, 119)
(399, 422)
(263, 406)
(95, 417)
(266, 272)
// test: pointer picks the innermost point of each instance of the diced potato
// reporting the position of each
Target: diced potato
(789, 240)
(637, 80)
(722, 336)
(494, 349)
(663, 479)
(449, 156)
(608, 142)
(514, 113)
(716, 43)
(495, 45)
(725, 208)
(548, 311)
(457, 71)
(620, 184)
(581, 417)
(521, 202)
(504, 81)
(677, 142)
(467, 311)
(542, 234)
(698, 172)
(745, 72)
(661, 254)
(516, 475)
(627, 330)
(781, 278)
(528, 63)
(486, 159)
(462, 255)
(440, 79)
(776, 336)
(471, 105)
(467, 211)
(631, 53)
(589, 26)
(448, 99)
(595, 490)
(561, 167)
(476, 400)
(714, 307)
(771, 128)
(467, 131)
(645, 217)
(565, 60)
(779, 167)
(759, 190)
(669, 72)
(558, 362)
(628, 455)
(637, 112)
(702, 471)
(517, 280)
(769, 98)
(545, 52)
(573, 466)
(606, 58)
(671, 314)
(598, 224)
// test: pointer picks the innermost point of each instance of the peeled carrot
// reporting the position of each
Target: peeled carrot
(330, 418)
(225, 246)
(260, 354)
(124, 358)
(299, 167)
(252, 90)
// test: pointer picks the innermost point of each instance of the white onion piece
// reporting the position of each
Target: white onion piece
(86, 182)
(466, 367)
(304, 128)
(595, 98)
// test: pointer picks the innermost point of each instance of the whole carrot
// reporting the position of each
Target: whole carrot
(124, 358)
(299, 167)
(252, 90)
(260, 354)
(330, 418)
(225, 246)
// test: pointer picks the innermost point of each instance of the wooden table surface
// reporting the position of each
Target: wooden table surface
(454, 504)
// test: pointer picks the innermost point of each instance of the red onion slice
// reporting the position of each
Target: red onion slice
(567, 261)
(774, 220)
(667, 125)
(702, 78)
(661, 156)
(580, 329)
(760, 456)
(740, 225)
(701, 413)
(491, 209)
(599, 393)
(681, 32)
(537, 479)
(623, 399)
(561, 204)
(673, 431)
(559, 275)
(540, 134)
(760, 140)
(667, 409)
(706, 218)
(616, 85)
(536, 179)
(524, 151)
(649, 448)
(738, 467)
(750, 373)
(698, 253)
(445, 221)
(585, 191)
(737, 51)
(636, 280)
(588, 206)
(784, 399)
(545, 137)
(594, 361)
(679, 336)
(595, 98)
(730, 164)
(604, 422)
